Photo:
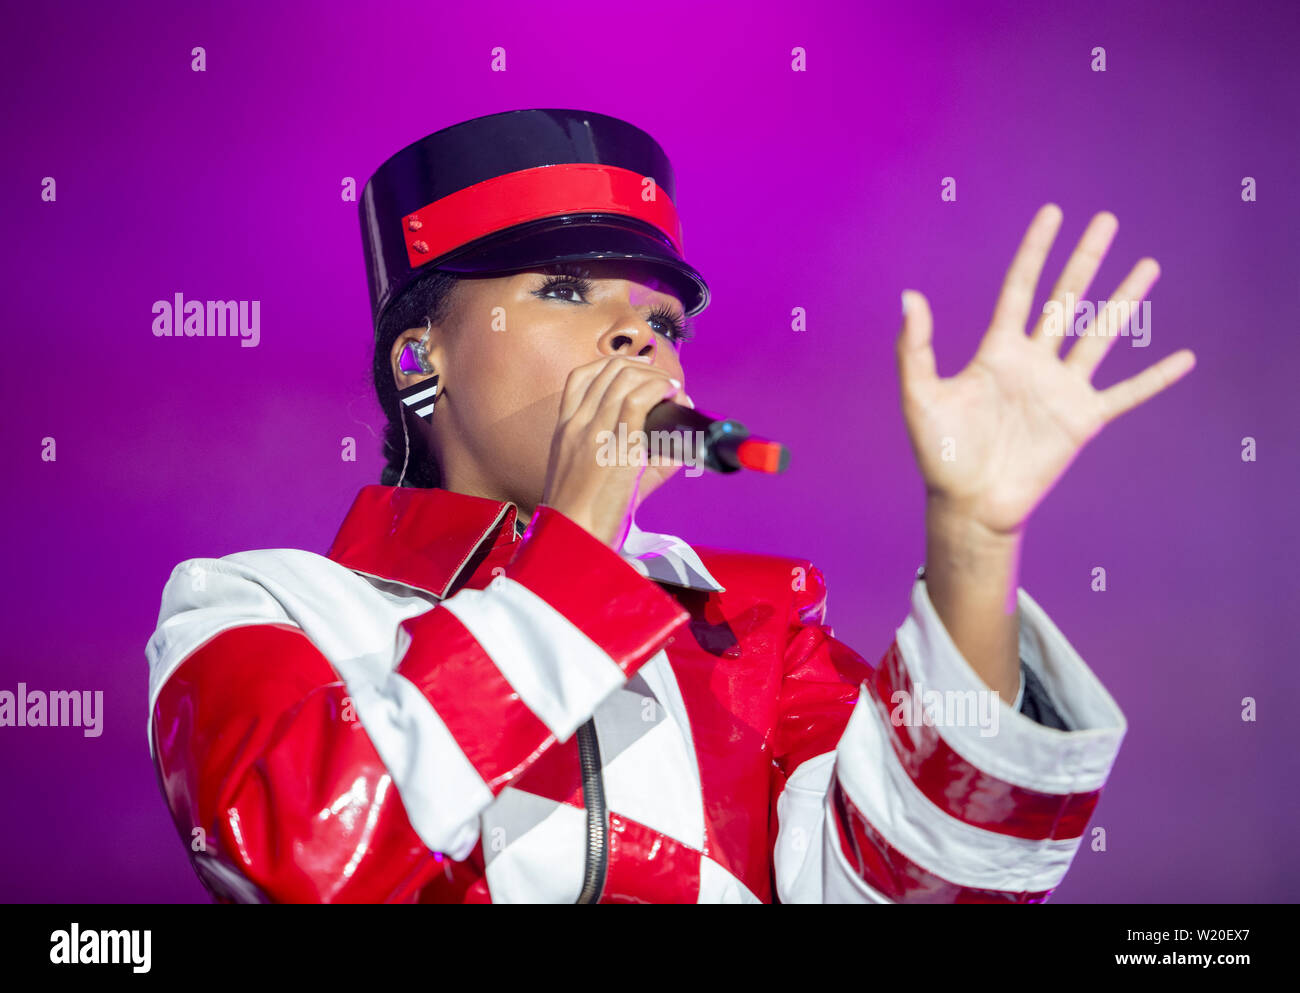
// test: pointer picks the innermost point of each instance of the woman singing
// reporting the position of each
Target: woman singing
(495, 687)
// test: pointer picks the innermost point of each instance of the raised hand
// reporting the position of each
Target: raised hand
(992, 440)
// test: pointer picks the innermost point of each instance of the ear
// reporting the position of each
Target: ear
(403, 354)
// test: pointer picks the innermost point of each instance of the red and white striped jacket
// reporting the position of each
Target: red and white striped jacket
(398, 721)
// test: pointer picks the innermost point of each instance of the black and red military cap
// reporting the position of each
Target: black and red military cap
(518, 190)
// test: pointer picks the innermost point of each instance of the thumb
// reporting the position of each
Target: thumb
(916, 369)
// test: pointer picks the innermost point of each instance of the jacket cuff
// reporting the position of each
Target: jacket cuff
(1024, 752)
(942, 791)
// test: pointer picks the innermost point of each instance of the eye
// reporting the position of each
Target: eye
(678, 329)
(564, 284)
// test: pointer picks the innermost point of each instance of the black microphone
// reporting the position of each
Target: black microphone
(720, 443)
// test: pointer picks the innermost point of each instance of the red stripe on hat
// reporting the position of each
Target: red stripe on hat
(528, 194)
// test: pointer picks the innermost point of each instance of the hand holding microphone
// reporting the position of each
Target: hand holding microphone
(617, 391)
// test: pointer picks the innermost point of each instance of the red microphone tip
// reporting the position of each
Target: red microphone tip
(763, 455)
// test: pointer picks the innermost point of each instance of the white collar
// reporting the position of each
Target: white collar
(666, 558)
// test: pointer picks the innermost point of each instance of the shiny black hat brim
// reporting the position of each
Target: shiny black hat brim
(578, 238)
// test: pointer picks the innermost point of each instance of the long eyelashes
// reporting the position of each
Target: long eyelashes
(577, 283)
(679, 329)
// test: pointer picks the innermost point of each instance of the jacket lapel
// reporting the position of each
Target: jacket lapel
(424, 537)
(420, 537)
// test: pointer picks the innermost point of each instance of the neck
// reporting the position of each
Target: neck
(474, 485)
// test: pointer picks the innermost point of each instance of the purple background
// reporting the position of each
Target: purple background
(817, 189)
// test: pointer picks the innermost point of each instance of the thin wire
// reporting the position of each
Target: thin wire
(408, 444)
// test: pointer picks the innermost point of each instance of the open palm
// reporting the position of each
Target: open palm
(992, 440)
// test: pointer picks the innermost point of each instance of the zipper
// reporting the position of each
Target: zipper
(593, 799)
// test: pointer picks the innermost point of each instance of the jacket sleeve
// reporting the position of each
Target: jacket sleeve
(299, 775)
(913, 782)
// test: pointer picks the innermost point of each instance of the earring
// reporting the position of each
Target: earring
(421, 397)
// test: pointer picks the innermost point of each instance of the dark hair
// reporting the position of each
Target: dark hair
(429, 296)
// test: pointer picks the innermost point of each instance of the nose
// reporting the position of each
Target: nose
(632, 338)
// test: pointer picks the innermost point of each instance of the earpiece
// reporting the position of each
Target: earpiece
(415, 357)
(420, 396)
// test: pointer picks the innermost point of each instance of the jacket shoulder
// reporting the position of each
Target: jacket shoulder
(783, 579)
(329, 602)
(755, 571)
(274, 569)
(731, 557)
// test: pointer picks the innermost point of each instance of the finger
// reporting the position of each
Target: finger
(1136, 390)
(1075, 278)
(631, 409)
(1112, 319)
(1017, 296)
(576, 385)
(915, 353)
(636, 408)
(606, 410)
(587, 384)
